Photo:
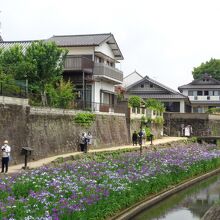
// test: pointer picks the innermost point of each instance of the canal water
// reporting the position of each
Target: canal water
(189, 204)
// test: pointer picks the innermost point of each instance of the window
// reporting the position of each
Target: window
(216, 93)
(142, 85)
(199, 93)
(151, 85)
(99, 60)
(211, 93)
(190, 93)
(206, 93)
(198, 110)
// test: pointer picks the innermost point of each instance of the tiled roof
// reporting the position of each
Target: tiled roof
(80, 40)
(161, 96)
(190, 86)
(88, 40)
(204, 82)
(206, 102)
(76, 41)
(8, 44)
(153, 82)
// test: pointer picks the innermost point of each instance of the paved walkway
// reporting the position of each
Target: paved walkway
(39, 163)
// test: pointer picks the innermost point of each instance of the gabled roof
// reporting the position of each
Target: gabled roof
(173, 93)
(135, 72)
(80, 40)
(75, 41)
(205, 81)
(131, 78)
(88, 40)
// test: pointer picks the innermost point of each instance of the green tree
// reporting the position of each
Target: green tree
(61, 95)
(12, 62)
(212, 67)
(135, 101)
(45, 61)
(154, 104)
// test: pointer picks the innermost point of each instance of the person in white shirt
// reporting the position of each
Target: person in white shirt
(89, 140)
(6, 149)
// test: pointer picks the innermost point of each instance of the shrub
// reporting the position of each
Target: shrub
(85, 119)
(62, 95)
(154, 104)
(158, 120)
(135, 101)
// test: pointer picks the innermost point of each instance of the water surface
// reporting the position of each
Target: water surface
(189, 204)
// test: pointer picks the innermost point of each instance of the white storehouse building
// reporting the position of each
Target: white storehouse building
(203, 93)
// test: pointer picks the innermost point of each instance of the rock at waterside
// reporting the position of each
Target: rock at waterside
(213, 213)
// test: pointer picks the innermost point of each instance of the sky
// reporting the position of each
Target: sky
(163, 39)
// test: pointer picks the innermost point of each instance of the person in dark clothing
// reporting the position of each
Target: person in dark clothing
(140, 137)
(82, 141)
(86, 144)
(134, 138)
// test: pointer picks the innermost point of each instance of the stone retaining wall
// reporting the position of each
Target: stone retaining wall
(53, 131)
(202, 124)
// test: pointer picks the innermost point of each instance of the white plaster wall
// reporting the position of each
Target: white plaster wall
(80, 50)
(96, 95)
(182, 107)
(185, 92)
(131, 79)
(101, 85)
(106, 49)
(13, 100)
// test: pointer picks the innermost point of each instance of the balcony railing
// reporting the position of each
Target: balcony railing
(96, 107)
(101, 69)
(78, 63)
(204, 98)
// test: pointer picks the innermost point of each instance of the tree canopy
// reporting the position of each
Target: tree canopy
(154, 104)
(135, 101)
(212, 67)
(41, 64)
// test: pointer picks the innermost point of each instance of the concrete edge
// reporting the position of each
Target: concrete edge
(150, 201)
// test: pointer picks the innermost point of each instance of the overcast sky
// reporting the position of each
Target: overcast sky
(163, 39)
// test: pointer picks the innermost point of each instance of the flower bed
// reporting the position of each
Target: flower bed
(100, 185)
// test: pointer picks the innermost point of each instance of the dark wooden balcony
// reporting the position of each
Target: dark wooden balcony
(78, 63)
(103, 70)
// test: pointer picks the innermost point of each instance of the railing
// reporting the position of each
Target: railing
(101, 69)
(13, 89)
(95, 107)
(204, 98)
(79, 63)
(140, 112)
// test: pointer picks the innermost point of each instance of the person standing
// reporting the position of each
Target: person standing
(89, 140)
(82, 141)
(140, 136)
(134, 138)
(6, 149)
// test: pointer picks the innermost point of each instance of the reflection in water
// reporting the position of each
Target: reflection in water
(189, 204)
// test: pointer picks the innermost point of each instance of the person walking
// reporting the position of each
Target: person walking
(6, 149)
(134, 138)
